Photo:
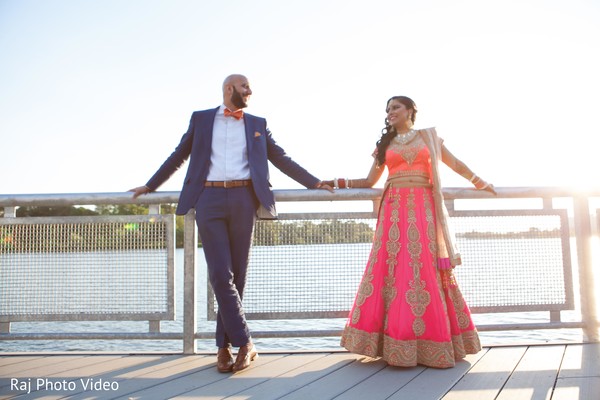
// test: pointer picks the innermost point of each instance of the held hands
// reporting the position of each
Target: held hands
(326, 185)
(138, 191)
(337, 183)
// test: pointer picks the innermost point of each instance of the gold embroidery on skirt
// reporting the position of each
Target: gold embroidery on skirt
(417, 296)
(407, 353)
(459, 306)
(400, 353)
(389, 291)
(365, 289)
(431, 234)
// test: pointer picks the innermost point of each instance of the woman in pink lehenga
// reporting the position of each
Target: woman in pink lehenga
(409, 309)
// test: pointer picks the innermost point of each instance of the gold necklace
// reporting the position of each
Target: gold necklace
(405, 138)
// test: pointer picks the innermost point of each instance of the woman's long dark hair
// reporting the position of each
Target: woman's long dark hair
(388, 133)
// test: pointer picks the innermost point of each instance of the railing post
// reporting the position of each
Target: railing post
(9, 212)
(583, 232)
(190, 236)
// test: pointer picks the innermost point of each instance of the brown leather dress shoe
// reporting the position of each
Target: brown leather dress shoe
(224, 359)
(245, 354)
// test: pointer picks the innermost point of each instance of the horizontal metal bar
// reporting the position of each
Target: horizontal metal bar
(261, 334)
(58, 199)
(129, 316)
(296, 315)
(87, 219)
(327, 216)
(94, 336)
(531, 326)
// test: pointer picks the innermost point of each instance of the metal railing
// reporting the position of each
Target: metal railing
(548, 234)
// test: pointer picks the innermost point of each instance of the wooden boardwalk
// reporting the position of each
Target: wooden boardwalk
(557, 372)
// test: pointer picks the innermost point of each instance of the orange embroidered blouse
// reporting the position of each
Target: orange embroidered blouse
(408, 161)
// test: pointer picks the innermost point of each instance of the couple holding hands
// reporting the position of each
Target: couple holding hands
(408, 309)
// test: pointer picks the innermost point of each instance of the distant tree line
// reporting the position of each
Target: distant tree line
(273, 233)
(532, 233)
(266, 233)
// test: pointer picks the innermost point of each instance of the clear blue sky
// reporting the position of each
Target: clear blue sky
(94, 95)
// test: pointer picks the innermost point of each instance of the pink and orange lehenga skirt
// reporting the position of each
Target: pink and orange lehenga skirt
(409, 309)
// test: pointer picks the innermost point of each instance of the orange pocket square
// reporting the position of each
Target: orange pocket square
(257, 134)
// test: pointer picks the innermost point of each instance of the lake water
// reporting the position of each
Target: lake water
(282, 278)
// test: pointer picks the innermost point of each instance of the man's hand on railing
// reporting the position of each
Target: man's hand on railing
(324, 185)
(140, 190)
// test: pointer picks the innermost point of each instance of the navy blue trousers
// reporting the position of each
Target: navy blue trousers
(225, 219)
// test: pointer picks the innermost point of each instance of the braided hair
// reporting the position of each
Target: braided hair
(389, 132)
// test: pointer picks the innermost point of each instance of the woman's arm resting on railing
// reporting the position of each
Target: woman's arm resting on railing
(368, 182)
(461, 168)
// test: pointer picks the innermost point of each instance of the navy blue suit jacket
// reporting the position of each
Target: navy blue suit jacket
(196, 144)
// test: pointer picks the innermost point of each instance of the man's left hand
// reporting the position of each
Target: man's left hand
(323, 185)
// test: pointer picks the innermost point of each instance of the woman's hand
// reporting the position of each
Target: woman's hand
(490, 188)
(483, 185)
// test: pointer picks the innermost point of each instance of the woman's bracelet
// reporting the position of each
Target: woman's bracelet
(341, 183)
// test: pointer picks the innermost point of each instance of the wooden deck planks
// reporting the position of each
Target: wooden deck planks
(552, 372)
(434, 383)
(154, 375)
(8, 363)
(305, 368)
(208, 380)
(535, 375)
(341, 376)
(579, 376)
(486, 379)
(384, 383)
(275, 369)
(28, 367)
(56, 369)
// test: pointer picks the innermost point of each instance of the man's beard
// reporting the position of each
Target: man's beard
(237, 100)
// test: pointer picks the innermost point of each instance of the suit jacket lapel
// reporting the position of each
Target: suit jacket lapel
(208, 125)
(249, 126)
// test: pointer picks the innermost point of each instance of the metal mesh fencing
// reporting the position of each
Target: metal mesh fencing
(313, 270)
(87, 268)
(516, 260)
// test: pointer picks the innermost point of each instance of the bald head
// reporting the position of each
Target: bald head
(232, 79)
(236, 92)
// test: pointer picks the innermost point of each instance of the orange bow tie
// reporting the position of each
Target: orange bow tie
(238, 114)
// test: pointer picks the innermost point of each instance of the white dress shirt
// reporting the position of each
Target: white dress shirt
(229, 155)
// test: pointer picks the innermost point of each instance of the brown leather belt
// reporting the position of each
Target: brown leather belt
(228, 184)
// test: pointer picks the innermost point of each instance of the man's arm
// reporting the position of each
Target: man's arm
(171, 164)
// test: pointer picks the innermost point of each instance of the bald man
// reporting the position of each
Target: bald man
(227, 182)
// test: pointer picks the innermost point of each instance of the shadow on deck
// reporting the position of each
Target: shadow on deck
(558, 371)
